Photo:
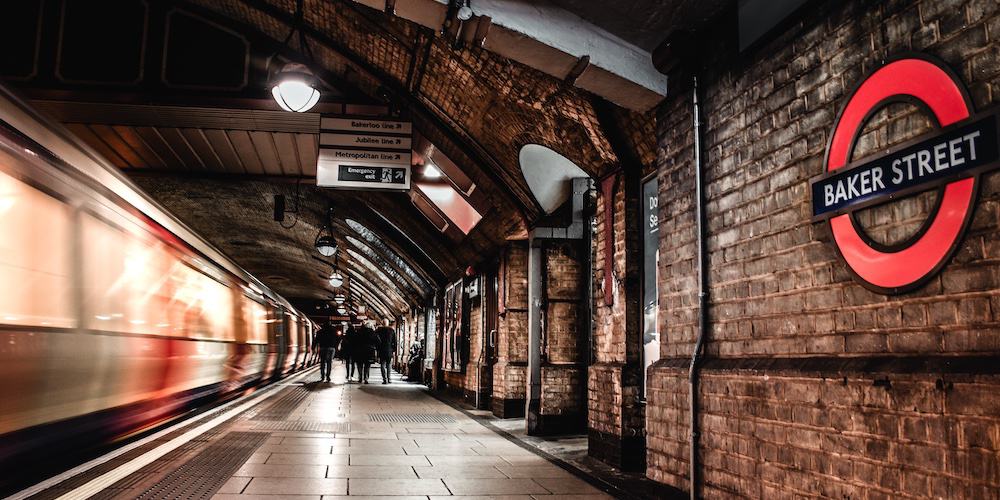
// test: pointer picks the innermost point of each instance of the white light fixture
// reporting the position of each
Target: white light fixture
(341, 310)
(336, 279)
(431, 171)
(295, 88)
(464, 12)
(326, 244)
(339, 298)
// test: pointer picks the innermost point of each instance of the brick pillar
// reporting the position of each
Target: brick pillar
(509, 377)
(616, 416)
(561, 406)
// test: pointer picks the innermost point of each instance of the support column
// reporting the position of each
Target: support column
(534, 392)
(557, 325)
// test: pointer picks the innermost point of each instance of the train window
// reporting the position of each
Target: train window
(255, 319)
(133, 283)
(34, 257)
(293, 330)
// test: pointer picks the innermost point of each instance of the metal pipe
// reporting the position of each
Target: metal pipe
(534, 389)
(702, 292)
(588, 236)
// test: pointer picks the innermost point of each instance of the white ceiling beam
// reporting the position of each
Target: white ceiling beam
(553, 40)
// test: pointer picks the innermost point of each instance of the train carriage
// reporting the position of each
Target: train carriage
(114, 316)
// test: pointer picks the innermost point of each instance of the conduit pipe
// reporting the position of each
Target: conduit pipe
(702, 291)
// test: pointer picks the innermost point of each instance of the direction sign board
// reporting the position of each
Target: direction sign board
(355, 155)
(365, 141)
(364, 153)
(354, 125)
(361, 175)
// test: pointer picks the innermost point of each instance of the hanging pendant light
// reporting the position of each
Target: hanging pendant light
(336, 279)
(295, 88)
(326, 243)
(339, 298)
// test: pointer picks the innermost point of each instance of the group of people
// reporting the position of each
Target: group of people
(358, 347)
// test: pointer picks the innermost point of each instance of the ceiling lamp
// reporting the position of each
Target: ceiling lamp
(431, 171)
(295, 88)
(465, 11)
(326, 243)
(336, 279)
(339, 298)
(342, 310)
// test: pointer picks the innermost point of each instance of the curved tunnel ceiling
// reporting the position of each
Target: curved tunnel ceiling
(215, 157)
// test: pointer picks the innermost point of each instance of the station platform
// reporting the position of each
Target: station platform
(302, 439)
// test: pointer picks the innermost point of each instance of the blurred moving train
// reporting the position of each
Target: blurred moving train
(113, 315)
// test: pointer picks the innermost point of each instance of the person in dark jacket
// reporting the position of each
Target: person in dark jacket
(364, 352)
(326, 344)
(385, 345)
(347, 348)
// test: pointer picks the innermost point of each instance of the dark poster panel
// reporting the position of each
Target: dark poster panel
(650, 259)
(451, 345)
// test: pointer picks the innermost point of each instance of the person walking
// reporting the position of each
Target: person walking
(326, 344)
(347, 347)
(364, 352)
(385, 345)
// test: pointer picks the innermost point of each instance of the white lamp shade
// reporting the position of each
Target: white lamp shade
(336, 279)
(295, 95)
(326, 245)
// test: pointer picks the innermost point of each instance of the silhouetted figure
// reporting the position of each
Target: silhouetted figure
(347, 348)
(364, 352)
(326, 344)
(385, 345)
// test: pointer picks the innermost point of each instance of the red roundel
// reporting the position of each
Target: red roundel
(906, 268)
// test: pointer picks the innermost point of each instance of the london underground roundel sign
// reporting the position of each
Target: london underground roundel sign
(949, 159)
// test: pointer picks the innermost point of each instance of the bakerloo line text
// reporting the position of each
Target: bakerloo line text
(903, 171)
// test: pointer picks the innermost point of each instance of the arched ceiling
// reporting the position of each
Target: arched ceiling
(472, 105)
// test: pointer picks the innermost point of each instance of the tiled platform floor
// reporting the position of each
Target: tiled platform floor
(398, 460)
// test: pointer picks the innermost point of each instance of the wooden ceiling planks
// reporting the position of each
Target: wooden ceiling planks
(152, 137)
(200, 145)
(288, 155)
(231, 162)
(179, 145)
(263, 142)
(131, 137)
(247, 152)
(308, 145)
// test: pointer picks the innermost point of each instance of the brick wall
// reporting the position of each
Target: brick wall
(616, 424)
(466, 382)
(563, 399)
(812, 384)
(509, 372)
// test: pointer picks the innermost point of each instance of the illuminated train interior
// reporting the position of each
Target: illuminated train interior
(114, 316)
